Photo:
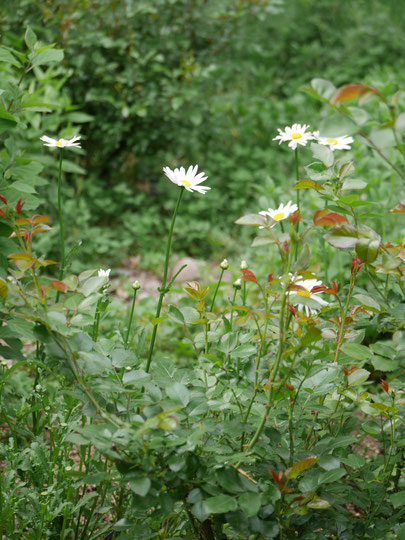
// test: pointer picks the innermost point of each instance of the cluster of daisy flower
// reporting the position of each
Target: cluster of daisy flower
(297, 134)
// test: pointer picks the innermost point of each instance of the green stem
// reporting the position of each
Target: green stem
(163, 289)
(233, 303)
(217, 288)
(274, 372)
(297, 177)
(130, 318)
(60, 215)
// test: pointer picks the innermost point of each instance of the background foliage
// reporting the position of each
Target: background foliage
(158, 82)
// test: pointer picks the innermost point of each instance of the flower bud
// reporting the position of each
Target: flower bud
(243, 265)
(224, 264)
(295, 217)
(136, 285)
(238, 284)
(19, 205)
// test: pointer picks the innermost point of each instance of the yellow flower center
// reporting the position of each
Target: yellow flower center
(185, 183)
(304, 293)
(60, 142)
(278, 216)
(296, 135)
(331, 141)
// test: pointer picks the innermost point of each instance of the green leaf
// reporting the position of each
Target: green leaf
(358, 377)
(175, 315)
(47, 56)
(323, 153)
(93, 284)
(367, 249)
(354, 183)
(368, 302)
(250, 503)
(308, 184)
(220, 504)
(331, 476)
(7, 56)
(328, 462)
(398, 499)
(140, 486)
(385, 364)
(178, 393)
(136, 377)
(318, 504)
(251, 219)
(342, 236)
(357, 351)
(30, 38)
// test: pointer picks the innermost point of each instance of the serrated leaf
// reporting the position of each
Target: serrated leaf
(48, 56)
(7, 56)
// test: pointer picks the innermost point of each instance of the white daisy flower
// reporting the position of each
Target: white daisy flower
(104, 273)
(190, 180)
(340, 143)
(61, 143)
(282, 212)
(296, 134)
(306, 285)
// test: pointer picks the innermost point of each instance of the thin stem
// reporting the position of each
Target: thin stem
(163, 289)
(60, 215)
(297, 177)
(130, 318)
(216, 290)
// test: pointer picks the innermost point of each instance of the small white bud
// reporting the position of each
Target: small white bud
(136, 285)
(38, 387)
(104, 273)
(224, 264)
(68, 468)
(243, 265)
(128, 368)
(238, 284)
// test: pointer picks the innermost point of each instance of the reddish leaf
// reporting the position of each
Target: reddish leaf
(3, 199)
(248, 275)
(385, 386)
(19, 205)
(2, 213)
(352, 91)
(270, 278)
(292, 309)
(330, 219)
(59, 285)
(302, 465)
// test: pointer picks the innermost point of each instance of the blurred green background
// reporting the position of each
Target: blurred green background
(149, 83)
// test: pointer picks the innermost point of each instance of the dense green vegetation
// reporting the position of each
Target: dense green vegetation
(157, 82)
(263, 397)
